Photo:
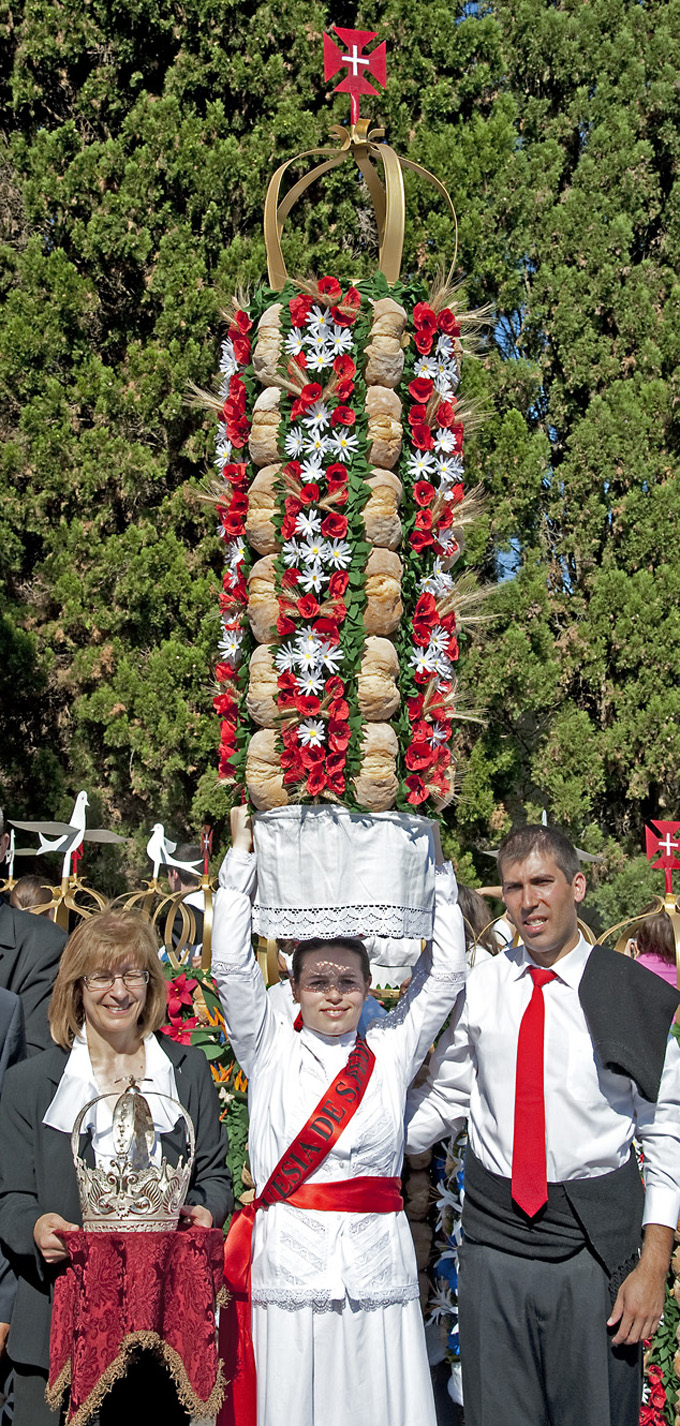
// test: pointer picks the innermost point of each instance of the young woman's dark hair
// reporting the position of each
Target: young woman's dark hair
(338, 943)
(476, 920)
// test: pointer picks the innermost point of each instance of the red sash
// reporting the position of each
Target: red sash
(336, 1107)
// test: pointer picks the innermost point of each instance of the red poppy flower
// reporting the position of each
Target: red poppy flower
(234, 526)
(351, 303)
(415, 707)
(241, 348)
(419, 756)
(293, 775)
(309, 494)
(224, 672)
(417, 791)
(224, 704)
(457, 493)
(289, 734)
(422, 437)
(327, 629)
(338, 736)
(446, 414)
(307, 704)
(290, 578)
(299, 361)
(343, 366)
(337, 583)
(335, 687)
(447, 323)
(236, 472)
(334, 527)
(242, 321)
(335, 763)
(308, 606)
(330, 287)
(424, 318)
(421, 632)
(292, 505)
(420, 389)
(339, 710)
(336, 473)
(237, 432)
(284, 625)
(238, 504)
(343, 416)
(423, 341)
(300, 308)
(423, 492)
(339, 611)
(417, 415)
(424, 520)
(316, 782)
(290, 758)
(311, 757)
(288, 526)
(336, 784)
(426, 607)
(419, 540)
(344, 389)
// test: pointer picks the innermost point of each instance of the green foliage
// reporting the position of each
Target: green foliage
(137, 144)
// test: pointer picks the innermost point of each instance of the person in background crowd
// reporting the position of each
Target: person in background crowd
(30, 947)
(480, 940)
(653, 946)
(182, 881)
(558, 1057)
(12, 1050)
(29, 892)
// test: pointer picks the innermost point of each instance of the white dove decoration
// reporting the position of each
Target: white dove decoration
(160, 850)
(69, 836)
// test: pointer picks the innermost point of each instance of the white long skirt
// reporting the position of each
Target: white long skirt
(344, 1367)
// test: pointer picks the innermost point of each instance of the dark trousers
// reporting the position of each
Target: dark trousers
(534, 1345)
(145, 1395)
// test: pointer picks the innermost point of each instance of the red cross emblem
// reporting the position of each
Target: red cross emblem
(662, 841)
(359, 65)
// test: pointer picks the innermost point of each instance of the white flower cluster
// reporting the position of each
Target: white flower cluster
(322, 340)
(228, 366)
(444, 464)
(437, 582)
(434, 658)
(310, 658)
(441, 367)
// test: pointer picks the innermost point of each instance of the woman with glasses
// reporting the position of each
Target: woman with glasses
(108, 1003)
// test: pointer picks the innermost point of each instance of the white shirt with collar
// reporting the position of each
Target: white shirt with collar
(592, 1113)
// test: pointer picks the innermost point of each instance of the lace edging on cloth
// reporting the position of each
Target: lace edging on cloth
(200, 1410)
(301, 922)
(291, 1299)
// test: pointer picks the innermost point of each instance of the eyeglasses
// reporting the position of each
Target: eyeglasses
(105, 980)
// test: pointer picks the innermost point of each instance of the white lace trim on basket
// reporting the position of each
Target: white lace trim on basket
(303, 922)
(291, 1298)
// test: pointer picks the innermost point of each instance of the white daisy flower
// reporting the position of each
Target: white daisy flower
(338, 553)
(422, 661)
(294, 442)
(306, 639)
(444, 347)
(340, 340)
(320, 322)
(311, 469)
(444, 440)
(228, 362)
(449, 545)
(440, 1303)
(443, 667)
(234, 553)
(286, 659)
(437, 582)
(313, 579)
(312, 733)
(342, 442)
(425, 367)
(230, 645)
(450, 470)
(421, 465)
(317, 416)
(310, 683)
(293, 342)
(308, 523)
(313, 550)
(318, 360)
(331, 657)
(222, 453)
(316, 443)
(292, 553)
(439, 639)
(445, 383)
(438, 735)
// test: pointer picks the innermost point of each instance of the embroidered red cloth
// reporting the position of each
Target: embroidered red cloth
(121, 1291)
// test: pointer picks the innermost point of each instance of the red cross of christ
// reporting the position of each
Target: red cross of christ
(663, 842)
(358, 64)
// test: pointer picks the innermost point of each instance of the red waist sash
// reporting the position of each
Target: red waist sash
(285, 1185)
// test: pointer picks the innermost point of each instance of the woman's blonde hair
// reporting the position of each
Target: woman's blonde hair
(103, 942)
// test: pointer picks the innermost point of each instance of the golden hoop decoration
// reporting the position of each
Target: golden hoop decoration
(667, 903)
(388, 197)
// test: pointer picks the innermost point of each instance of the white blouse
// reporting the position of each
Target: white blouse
(303, 1256)
(78, 1085)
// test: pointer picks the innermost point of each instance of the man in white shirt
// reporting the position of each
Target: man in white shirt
(557, 1058)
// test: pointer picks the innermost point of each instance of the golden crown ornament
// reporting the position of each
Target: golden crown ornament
(131, 1194)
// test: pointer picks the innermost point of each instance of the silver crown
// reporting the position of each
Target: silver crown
(132, 1194)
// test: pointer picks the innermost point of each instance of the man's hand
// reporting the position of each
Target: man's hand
(196, 1215)
(4, 1334)
(46, 1232)
(639, 1302)
(241, 829)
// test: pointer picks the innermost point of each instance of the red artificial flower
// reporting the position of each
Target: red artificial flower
(242, 321)
(327, 629)
(339, 611)
(421, 388)
(224, 672)
(417, 791)
(238, 504)
(424, 520)
(446, 414)
(300, 308)
(293, 774)
(426, 607)
(336, 473)
(419, 540)
(338, 736)
(330, 287)
(233, 525)
(339, 710)
(179, 993)
(237, 432)
(309, 494)
(424, 318)
(307, 704)
(224, 704)
(343, 416)
(236, 472)
(344, 367)
(419, 756)
(284, 625)
(335, 763)
(337, 583)
(423, 341)
(334, 527)
(351, 301)
(422, 436)
(457, 493)
(335, 687)
(447, 323)
(336, 784)
(308, 606)
(288, 525)
(287, 683)
(292, 505)
(316, 782)
(417, 415)
(310, 756)
(299, 361)
(344, 389)
(453, 650)
(179, 1030)
(290, 578)
(415, 707)
(241, 348)
(423, 492)
(309, 394)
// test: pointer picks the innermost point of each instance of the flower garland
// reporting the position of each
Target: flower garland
(432, 474)
(231, 674)
(323, 553)
(442, 1307)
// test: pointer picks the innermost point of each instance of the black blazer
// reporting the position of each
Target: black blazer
(30, 949)
(12, 1050)
(37, 1176)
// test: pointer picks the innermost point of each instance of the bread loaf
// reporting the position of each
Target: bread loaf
(381, 511)
(384, 436)
(264, 777)
(263, 607)
(261, 508)
(377, 690)
(262, 687)
(383, 592)
(267, 351)
(376, 785)
(264, 430)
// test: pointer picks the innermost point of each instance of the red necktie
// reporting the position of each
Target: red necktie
(529, 1183)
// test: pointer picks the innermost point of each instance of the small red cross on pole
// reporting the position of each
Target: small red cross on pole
(358, 64)
(661, 840)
